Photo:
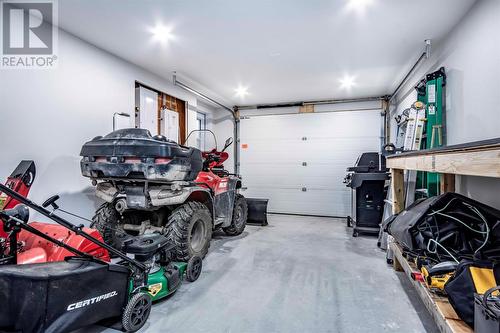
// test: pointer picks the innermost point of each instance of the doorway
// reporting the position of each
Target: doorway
(160, 113)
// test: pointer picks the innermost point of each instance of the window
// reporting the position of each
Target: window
(201, 121)
(201, 118)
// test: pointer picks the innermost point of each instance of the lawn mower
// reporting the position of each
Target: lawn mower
(83, 289)
(151, 184)
(30, 247)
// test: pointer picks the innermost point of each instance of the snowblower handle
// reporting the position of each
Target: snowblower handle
(51, 202)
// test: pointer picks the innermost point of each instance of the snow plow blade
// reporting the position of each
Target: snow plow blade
(257, 211)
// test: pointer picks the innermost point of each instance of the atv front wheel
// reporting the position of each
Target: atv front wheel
(190, 229)
(136, 312)
(240, 214)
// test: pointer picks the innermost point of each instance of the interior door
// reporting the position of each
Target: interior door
(298, 161)
(148, 110)
(171, 124)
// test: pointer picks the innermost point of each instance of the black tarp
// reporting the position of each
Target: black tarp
(448, 225)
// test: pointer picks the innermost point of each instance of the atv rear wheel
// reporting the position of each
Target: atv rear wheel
(240, 214)
(106, 220)
(190, 229)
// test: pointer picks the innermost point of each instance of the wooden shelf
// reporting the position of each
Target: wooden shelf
(480, 158)
(481, 162)
(439, 308)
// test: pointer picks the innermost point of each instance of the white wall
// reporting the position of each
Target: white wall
(46, 115)
(471, 55)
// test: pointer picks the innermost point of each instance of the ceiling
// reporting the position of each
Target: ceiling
(277, 50)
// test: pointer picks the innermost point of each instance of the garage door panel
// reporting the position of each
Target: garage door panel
(341, 124)
(303, 176)
(291, 150)
(294, 201)
(275, 149)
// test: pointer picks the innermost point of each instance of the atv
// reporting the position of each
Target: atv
(151, 184)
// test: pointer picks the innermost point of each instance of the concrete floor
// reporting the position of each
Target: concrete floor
(299, 274)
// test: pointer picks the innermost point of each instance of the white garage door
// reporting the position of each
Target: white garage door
(298, 161)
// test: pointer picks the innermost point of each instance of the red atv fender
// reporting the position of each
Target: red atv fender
(224, 195)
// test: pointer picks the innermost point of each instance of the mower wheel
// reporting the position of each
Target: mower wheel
(136, 312)
(190, 229)
(193, 270)
(240, 214)
(106, 220)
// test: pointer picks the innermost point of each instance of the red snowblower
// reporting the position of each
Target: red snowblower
(35, 247)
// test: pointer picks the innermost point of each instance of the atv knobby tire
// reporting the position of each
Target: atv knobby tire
(106, 220)
(240, 214)
(189, 228)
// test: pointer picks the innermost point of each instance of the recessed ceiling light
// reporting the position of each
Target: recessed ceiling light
(241, 91)
(161, 33)
(359, 6)
(347, 82)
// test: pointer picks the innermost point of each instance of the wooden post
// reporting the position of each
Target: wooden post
(447, 182)
(397, 188)
(396, 265)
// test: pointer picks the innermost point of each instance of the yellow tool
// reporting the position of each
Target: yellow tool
(436, 281)
(436, 276)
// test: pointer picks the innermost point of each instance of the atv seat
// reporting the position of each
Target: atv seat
(144, 247)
